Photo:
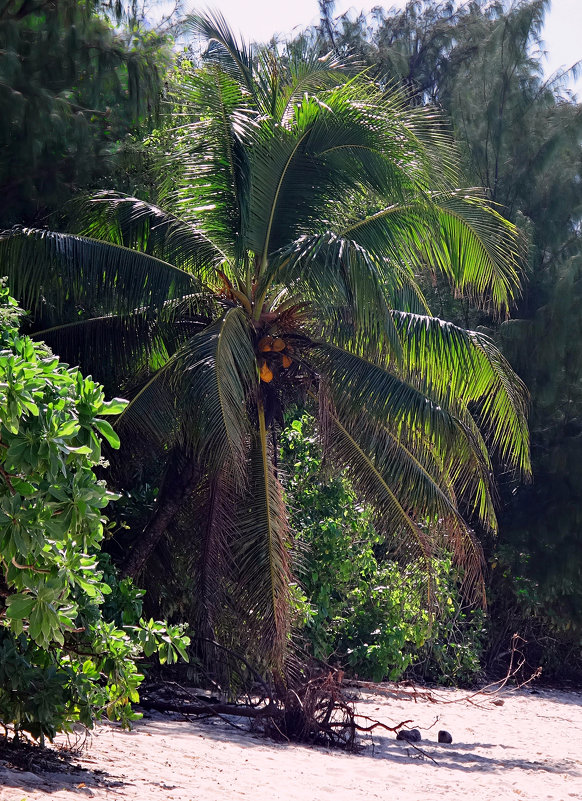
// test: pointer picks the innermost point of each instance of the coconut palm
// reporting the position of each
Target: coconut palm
(304, 202)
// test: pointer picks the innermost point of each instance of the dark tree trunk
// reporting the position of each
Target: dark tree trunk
(179, 482)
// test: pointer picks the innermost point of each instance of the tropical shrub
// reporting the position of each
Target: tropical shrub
(362, 607)
(61, 660)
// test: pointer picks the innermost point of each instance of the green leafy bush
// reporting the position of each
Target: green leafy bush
(61, 660)
(360, 606)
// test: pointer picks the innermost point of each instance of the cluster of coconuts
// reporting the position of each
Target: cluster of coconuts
(273, 345)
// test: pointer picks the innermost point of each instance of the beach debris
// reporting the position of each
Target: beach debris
(410, 735)
(445, 736)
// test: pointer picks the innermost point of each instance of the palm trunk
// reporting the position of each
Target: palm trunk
(178, 484)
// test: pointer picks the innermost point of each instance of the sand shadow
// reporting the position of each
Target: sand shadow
(456, 756)
(54, 768)
(462, 757)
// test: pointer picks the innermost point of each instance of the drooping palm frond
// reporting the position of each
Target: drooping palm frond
(465, 368)
(63, 273)
(153, 414)
(123, 344)
(202, 389)
(410, 487)
(216, 373)
(135, 224)
(458, 234)
(372, 399)
(477, 249)
(261, 550)
(356, 383)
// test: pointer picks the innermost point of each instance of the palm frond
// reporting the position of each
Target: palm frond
(309, 73)
(261, 550)
(154, 413)
(356, 383)
(215, 374)
(347, 287)
(198, 397)
(234, 57)
(142, 226)
(458, 234)
(61, 274)
(112, 347)
(359, 389)
(410, 489)
(216, 533)
(465, 368)
(478, 250)
(209, 157)
(337, 148)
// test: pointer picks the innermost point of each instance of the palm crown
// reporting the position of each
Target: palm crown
(304, 202)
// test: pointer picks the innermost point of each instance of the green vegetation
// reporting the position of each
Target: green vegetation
(78, 85)
(309, 456)
(60, 659)
(520, 138)
(304, 202)
(365, 607)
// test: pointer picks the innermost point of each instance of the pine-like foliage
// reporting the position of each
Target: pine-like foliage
(73, 83)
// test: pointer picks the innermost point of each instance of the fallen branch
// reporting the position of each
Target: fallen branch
(186, 708)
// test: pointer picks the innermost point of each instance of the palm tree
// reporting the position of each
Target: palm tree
(304, 203)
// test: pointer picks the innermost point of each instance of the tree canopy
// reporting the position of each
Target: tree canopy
(302, 201)
(76, 78)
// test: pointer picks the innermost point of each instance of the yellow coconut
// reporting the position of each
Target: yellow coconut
(266, 374)
(286, 361)
(278, 344)
(265, 344)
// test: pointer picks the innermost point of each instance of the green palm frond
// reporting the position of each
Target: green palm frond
(153, 414)
(392, 516)
(362, 391)
(308, 73)
(342, 279)
(198, 397)
(356, 383)
(410, 485)
(135, 224)
(233, 57)
(215, 374)
(64, 272)
(477, 249)
(210, 153)
(463, 368)
(335, 146)
(459, 234)
(126, 344)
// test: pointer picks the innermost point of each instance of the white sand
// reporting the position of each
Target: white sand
(529, 748)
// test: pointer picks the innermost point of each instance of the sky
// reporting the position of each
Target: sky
(260, 19)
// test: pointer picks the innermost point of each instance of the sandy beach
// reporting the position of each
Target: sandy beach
(529, 747)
